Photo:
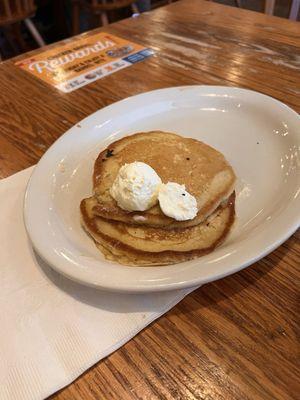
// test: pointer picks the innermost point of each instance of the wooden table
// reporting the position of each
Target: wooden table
(231, 339)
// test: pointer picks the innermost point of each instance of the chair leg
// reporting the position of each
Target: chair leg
(8, 34)
(75, 18)
(16, 30)
(294, 10)
(269, 6)
(104, 19)
(35, 33)
(134, 8)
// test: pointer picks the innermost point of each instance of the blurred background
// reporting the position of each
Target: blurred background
(28, 24)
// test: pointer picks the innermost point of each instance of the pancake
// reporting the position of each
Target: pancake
(146, 246)
(204, 171)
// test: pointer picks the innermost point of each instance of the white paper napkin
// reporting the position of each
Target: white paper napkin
(52, 329)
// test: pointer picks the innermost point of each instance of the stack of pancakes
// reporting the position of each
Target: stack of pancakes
(150, 237)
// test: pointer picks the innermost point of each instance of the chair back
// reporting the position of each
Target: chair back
(12, 11)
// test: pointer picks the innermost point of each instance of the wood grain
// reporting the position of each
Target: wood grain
(232, 339)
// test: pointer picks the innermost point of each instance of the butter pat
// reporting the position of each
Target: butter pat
(176, 202)
(136, 187)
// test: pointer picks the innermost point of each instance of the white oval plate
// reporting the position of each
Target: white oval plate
(257, 134)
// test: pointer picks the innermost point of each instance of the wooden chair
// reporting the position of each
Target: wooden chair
(294, 11)
(270, 6)
(13, 12)
(100, 8)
